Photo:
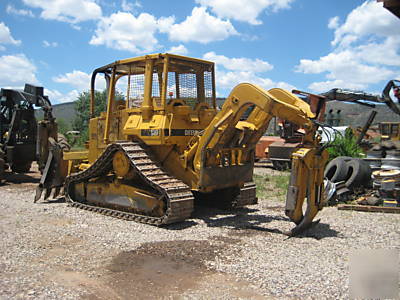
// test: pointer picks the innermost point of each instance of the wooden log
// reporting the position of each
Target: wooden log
(369, 208)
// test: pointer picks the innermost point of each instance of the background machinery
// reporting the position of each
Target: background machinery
(23, 139)
(279, 152)
(151, 155)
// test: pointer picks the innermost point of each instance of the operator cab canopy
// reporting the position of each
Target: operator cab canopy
(158, 80)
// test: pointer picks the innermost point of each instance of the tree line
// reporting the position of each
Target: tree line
(82, 116)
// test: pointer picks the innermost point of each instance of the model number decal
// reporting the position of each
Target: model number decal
(150, 132)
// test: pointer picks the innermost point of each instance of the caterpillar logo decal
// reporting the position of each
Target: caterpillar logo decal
(183, 132)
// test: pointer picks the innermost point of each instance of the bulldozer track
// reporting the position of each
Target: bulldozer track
(178, 197)
(247, 196)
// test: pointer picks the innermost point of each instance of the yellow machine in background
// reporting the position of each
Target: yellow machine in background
(151, 155)
(390, 131)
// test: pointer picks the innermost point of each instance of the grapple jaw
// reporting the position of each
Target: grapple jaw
(54, 172)
(306, 182)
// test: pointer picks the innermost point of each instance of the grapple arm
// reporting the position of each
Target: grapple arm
(307, 162)
(306, 181)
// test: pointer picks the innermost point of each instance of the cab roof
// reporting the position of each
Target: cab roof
(138, 63)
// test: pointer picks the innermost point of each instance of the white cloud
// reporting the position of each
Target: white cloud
(239, 64)
(79, 80)
(16, 70)
(181, 50)
(165, 23)
(20, 12)
(228, 80)
(370, 18)
(47, 44)
(232, 71)
(5, 36)
(56, 96)
(123, 31)
(324, 86)
(384, 53)
(246, 11)
(333, 23)
(137, 34)
(72, 11)
(366, 50)
(130, 6)
(201, 27)
(346, 66)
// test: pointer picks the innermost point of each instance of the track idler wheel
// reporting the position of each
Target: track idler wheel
(121, 164)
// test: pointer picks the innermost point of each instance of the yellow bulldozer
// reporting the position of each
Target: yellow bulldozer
(151, 155)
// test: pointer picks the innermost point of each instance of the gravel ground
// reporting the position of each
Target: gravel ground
(52, 251)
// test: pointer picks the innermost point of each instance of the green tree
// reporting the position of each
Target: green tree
(63, 126)
(82, 108)
(344, 146)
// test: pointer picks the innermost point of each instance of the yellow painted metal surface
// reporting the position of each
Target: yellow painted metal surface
(125, 196)
(170, 106)
(76, 155)
(121, 164)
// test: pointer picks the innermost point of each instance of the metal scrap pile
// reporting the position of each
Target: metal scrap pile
(345, 177)
(372, 181)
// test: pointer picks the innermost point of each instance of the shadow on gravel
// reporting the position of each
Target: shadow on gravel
(320, 231)
(238, 219)
(12, 178)
(180, 225)
(243, 219)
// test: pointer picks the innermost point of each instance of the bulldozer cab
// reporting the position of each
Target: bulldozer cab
(165, 96)
(156, 82)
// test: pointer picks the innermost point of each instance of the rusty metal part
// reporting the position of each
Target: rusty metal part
(366, 126)
(280, 154)
(177, 195)
(392, 5)
(52, 176)
(317, 103)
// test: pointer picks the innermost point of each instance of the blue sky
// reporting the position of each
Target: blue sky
(312, 45)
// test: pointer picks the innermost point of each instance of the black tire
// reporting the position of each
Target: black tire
(336, 170)
(21, 168)
(388, 145)
(63, 142)
(359, 174)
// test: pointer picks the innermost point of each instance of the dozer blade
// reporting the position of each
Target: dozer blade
(47, 194)
(52, 176)
(38, 193)
(56, 192)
